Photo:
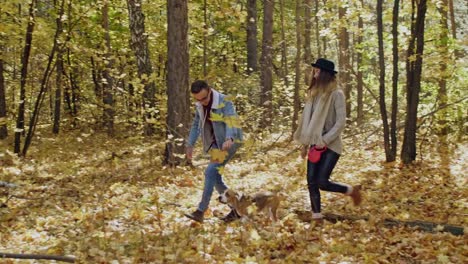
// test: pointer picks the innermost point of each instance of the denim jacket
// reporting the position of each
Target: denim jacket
(222, 110)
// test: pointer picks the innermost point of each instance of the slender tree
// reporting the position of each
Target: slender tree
(317, 28)
(3, 107)
(359, 62)
(266, 62)
(308, 30)
(108, 82)
(383, 107)
(59, 69)
(44, 87)
(139, 45)
(177, 80)
(395, 76)
(252, 42)
(443, 73)
(205, 38)
(284, 57)
(24, 74)
(414, 60)
(344, 59)
(297, 80)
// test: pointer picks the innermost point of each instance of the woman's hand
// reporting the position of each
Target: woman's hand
(228, 144)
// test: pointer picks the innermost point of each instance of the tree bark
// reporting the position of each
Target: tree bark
(307, 31)
(24, 74)
(139, 44)
(344, 61)
(359, 76)
(252, 42)
(205, 43)
(59, 71)
(3, 107)
(177, 80)
(414, 62)
(42, 90)
(108, 83)
(297, 81)
(395, 76)
(383, 107)
(443, 73)
(266, 62)
(284, 57)
(317, 29)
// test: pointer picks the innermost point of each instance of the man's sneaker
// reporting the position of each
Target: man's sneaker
(356, 195)
(232, 216)
(196, 216)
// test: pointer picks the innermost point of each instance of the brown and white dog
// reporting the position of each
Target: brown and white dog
(264, 201)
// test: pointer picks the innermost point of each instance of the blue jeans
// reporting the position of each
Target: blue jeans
(318, 178)
(213, 179)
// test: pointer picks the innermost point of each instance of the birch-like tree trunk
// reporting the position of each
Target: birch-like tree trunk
(139, 45)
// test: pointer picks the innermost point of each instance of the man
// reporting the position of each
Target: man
(216, 122)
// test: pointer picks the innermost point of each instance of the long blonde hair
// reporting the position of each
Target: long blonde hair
(325, 84)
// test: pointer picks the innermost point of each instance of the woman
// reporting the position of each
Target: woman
(320, 127)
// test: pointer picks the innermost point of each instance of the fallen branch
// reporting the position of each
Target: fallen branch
(422, 225)
(36, 256)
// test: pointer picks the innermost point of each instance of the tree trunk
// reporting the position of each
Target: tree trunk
(297, 81)
(3, 107)
(307, 31)
(24, 74)
(443, 73)
(317, 29)
(414, 62)
(139, 44)
(252, 36)
(177, 80)
(383, 107)
(395, 76)
(205, 43)
(344, 61)
(452, 20)
(266, 62)
(59, 72)
(359, 77)
(43, 88)
(107, 84)
(284, 57)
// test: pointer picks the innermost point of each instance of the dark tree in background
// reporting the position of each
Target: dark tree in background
(108, 82)
(24, 74)
(266, 62)
(178, 101)
(252, 42)
(414, 60)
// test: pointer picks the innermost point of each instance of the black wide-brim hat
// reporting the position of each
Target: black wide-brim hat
(325, 65)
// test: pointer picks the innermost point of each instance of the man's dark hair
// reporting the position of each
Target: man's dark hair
(198, 85)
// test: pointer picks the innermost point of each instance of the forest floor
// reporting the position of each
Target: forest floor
(105, 200)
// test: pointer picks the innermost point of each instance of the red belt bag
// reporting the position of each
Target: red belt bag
(315, 154)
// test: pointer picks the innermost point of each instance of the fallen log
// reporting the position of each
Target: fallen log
(37, 256)
(306, 216)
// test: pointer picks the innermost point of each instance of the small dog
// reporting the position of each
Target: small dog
(264, 201)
